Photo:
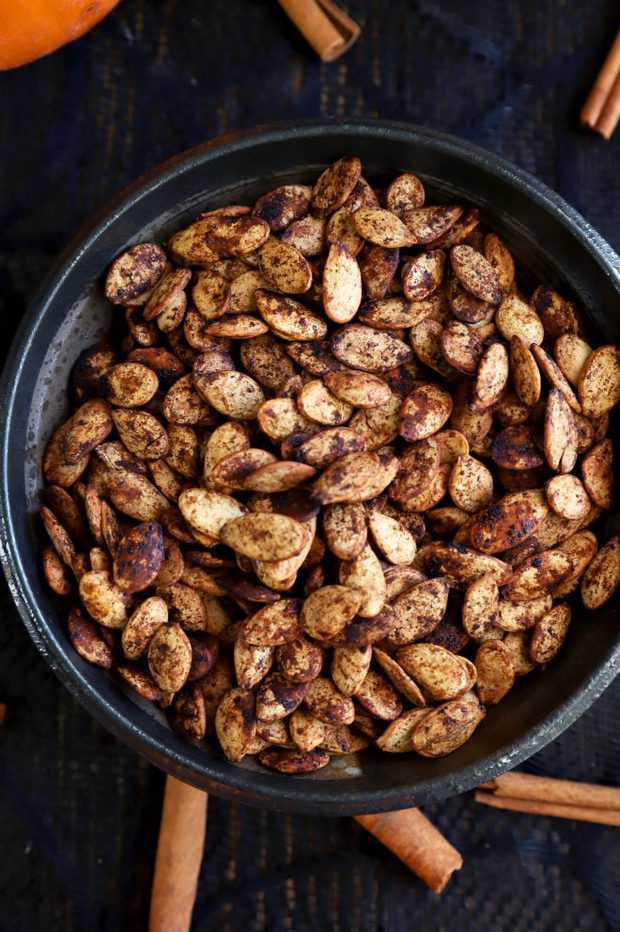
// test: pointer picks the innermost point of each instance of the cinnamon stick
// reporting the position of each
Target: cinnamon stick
(610, 114)
(411, 837)
(549, 790)
(593, 108)
(179, 856)
(329, 30)
(538, 807)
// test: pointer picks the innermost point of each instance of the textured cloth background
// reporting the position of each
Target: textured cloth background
(78, 812)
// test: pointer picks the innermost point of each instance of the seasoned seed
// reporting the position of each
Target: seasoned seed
(602, 576)
(476, 274)
(87, 640)
(495, 673)
(134, 272)
(235, 722)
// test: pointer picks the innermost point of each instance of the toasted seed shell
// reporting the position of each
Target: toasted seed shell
(426, 341)
(318, 404)
(335, 185)
(277, 698)
(491, 377)
(424, 412)
(570, 353)
(405, 192)
(560, 435)
(264, 536)
(388, 313)
(183, 404)
(382, 227)
(379, 697)
(278, 477)
(284, 267)
(274, 624)
(86, 638)
(480, 608)
(599, 381)
(307, 235)
(252, 663)
(517, 644)
(328, 704)
(342, 284)
(581, 548)
(328, 610)
(141, 433)
(401, 680)
(515, 317)
(129, 384)
(567, 497)
(139, 557)
(211, 294)
(508, 521)
(359, 389)
(104, 601)
(235, 723)
(460, 346)
(495, 674)
(368, 349)
(516, 448)
(86, 429)
(520, 616)
(439, 672)
(134, 272)
(288, 761)
(328, 445)
(351, 479)
(446, 728)
(56, 573)
(365, 574)
(345, 530)
(280, 207)
(208, 511)
(538, 574)
(418, 467)
(429, 223)
(289, 319)
(423, 274)
(170, 657)
(226, 439)
(300, 660)
(476, 274)
(602, 576)
(419, 610)
(554, 375)
(142, 625)
(349, 667)
(499, 257)
(471, 484)
(461, 565)
(598, 479)
(525, 372)
(393, 539)
(235, 395)
(549, 633)
(396, 739)
(306, 731)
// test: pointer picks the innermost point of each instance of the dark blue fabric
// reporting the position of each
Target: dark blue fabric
(79, 812)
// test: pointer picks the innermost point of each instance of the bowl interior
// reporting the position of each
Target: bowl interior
(546, 237)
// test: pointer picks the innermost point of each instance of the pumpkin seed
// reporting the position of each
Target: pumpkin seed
(495, 673)
(134, 272)
(549, 633)
(601, 578)
(86, 638)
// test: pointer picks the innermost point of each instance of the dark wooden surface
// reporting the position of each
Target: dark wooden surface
(78, 811)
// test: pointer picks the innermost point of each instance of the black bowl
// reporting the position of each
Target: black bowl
(69, 312)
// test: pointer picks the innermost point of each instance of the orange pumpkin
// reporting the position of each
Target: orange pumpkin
(31, 28)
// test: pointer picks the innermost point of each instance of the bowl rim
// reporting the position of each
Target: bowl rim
(194, 765)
